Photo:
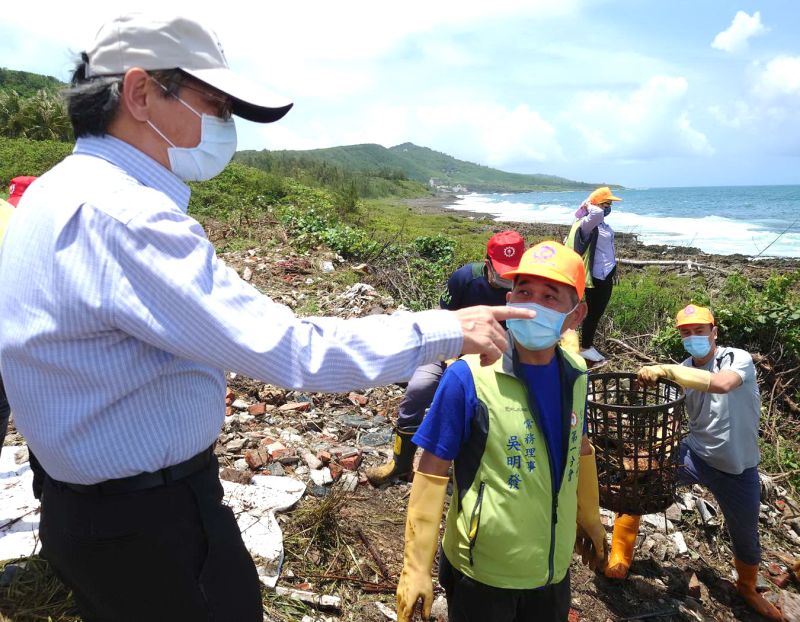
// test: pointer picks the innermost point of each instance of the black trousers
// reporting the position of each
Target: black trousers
(597, 298)
(471, 601)
(5, 414)
(168, 553)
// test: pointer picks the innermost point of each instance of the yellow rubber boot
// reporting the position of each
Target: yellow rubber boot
(401, 464)
(746, 586)
(626, 527)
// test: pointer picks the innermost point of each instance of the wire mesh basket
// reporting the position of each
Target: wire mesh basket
(635, 431)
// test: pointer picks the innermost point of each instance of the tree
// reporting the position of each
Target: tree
(40, 117)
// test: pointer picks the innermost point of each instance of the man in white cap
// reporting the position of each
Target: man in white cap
(115, 333)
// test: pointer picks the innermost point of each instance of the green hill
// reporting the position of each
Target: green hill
(423, 165)
(27, 84)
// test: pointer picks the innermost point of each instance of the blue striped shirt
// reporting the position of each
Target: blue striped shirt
(117, 320)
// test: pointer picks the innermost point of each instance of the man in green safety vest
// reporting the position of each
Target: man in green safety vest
(524, 471)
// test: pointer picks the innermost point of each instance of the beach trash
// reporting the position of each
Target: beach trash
(635, 431)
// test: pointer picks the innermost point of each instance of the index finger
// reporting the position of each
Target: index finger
(508, 313)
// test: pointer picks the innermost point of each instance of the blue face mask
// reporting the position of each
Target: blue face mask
(541, 332)
(606, 211)
(697, 345)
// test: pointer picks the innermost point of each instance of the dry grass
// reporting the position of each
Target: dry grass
(35, 594)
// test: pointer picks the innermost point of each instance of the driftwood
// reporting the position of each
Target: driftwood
(374, 552)
(691, 265)
(367, 586)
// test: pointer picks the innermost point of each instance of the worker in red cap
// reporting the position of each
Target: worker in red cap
(593, 238)
(721, 450)
(476, 283)
(17, 188)
(525, 479)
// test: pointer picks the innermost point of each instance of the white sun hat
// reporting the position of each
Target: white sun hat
(152, 43)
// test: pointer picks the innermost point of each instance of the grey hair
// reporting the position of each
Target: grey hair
(93, 102)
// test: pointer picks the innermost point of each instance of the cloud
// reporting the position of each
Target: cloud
(485, 132)
(740, 115)
(780, 77)
(742, 28)
(649, 123)
(492, 133)
(765, 118)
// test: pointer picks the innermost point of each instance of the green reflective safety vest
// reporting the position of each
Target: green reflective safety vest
(6, 209)
(506, 526)
(587, 252)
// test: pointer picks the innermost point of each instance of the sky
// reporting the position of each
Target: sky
(643, 93)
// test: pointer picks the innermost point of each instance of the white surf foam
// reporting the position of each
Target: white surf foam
(711, 234)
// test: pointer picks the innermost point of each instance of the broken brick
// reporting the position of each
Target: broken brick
(343, 451)
(351, 462)
(255, 458)
(358, 399)
(295, 406)
(268, 440)
(336, 470)
(774, 569)
(278, 450)
(259, 408)
(228, 411)
(324, 457)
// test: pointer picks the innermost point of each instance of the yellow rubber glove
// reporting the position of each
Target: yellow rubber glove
(591, 540)
(6, 209)
(422, 536)
(687, 377)
(570, 341)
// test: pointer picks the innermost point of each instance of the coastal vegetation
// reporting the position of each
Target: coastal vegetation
(31, 107)
(360, 206)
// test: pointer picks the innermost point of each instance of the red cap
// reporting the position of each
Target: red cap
(17, 187)
(505, 250)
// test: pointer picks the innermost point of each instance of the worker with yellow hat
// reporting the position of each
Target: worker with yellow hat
(593, 238)
(721, 449)
(524, 472)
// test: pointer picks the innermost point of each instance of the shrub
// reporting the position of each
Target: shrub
(22, 156)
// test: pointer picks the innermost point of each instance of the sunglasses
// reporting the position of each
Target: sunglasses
(223, 103)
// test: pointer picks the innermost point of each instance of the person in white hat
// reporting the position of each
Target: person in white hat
(593, 239)
(115, 333)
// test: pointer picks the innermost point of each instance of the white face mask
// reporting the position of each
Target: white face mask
(213, 153)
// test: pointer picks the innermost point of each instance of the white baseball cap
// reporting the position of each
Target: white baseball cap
(153, 43)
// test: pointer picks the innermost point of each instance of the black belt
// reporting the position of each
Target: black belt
(144, 481)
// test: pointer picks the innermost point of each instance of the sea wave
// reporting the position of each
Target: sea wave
(711, 234)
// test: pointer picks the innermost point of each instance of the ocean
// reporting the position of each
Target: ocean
(751, 220)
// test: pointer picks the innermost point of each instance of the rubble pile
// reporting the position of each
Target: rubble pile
(682, 568)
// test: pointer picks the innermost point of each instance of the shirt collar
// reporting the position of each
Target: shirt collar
(137, 164)
(508, 364)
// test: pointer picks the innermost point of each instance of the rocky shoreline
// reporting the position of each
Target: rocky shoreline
(628, 245)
